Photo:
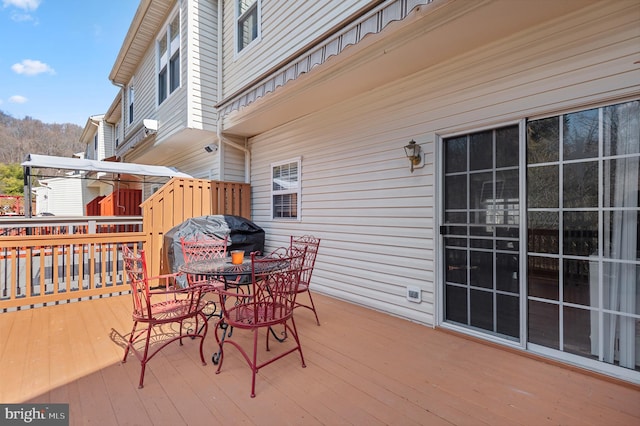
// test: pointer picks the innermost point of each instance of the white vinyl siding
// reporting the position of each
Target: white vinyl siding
(285, 27)
(192, 104)
(201, 64)
(67, 196)
(377, 220)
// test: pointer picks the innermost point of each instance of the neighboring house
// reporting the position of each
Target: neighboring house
(520, 223)
(167, 70)
(63, 196)
(99, 137)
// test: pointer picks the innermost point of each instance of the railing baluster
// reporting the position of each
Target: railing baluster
(44, 262)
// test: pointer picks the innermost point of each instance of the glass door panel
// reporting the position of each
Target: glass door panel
(481, 231)
(583, 253)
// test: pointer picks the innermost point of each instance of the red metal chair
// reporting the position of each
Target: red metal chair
(160, 308)
(206, 248)
(269, 303)
(311, 245)
(203, 248)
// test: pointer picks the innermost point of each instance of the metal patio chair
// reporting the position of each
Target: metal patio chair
(311, 245)
(166, 313)
(269, 303)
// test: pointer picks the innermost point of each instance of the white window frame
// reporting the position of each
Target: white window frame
(278, 192)
(167, 58)
(241, 18)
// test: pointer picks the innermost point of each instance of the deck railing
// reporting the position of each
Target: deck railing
(46, 263)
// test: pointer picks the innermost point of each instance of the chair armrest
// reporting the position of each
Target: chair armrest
(167, 281)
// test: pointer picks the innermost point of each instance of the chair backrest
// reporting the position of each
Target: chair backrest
(311, 245)
(135, 265)
(203, 248)
(275, 279)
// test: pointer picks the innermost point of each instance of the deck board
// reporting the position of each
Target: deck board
(363, 367)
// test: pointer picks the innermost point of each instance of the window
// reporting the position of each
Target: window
(131, 96)
(95, 144)
(247, 24)
(168, 47)
(285, 190)
(117, 134)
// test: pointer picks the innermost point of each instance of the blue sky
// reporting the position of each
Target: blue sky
(56, 56)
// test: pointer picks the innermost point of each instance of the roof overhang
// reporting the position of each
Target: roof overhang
(66, 163)
(148, 19)
(390, 47)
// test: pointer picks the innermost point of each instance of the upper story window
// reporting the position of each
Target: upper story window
(95, 144)
(117, 131)
(168, 44)
(285, 190)
(130, 101)
(248, 24)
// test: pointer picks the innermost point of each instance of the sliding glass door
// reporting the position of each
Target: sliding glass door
(571, 289)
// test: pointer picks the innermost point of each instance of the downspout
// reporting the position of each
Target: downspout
(221, 138)
(247, 153)
(26, 176)
(122, 116)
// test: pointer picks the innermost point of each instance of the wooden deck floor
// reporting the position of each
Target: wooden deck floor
(363, 368)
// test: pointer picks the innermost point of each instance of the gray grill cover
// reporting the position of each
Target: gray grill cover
(243, 235)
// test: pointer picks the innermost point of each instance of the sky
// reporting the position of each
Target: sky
(56, 56)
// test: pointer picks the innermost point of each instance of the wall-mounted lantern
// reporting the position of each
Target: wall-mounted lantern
(414, 154)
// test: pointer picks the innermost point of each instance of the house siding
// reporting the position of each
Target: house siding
(377, 220)
(286, 27)
(187, 118)
(201, 61)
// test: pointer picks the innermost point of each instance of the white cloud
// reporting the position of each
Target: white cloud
(17, 99)
(31, 67)
(22, 4)
(23, 17)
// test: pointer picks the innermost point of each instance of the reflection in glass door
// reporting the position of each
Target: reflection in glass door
(583, 253)
(481, 231)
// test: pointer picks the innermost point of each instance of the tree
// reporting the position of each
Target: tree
(11, 179)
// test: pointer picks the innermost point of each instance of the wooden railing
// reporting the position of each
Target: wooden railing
(40, 269)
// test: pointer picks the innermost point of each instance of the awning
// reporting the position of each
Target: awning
(68, 163)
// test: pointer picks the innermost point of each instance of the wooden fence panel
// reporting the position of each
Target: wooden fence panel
(183, 198)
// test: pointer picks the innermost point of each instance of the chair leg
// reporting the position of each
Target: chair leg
(294, 331)
(219, 356)
(130, 342)
(313, 307)
(254, 368)
(205, 328)
(143, 361)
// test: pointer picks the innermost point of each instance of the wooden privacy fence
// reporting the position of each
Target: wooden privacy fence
(184, 198)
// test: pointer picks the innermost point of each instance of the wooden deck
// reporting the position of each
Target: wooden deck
(363, 368)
